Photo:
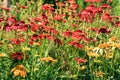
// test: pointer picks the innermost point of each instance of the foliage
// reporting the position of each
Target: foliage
(39, 41)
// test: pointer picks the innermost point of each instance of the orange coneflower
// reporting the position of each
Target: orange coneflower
(109, 55)
(116, 45)
(104, 45)
(19, 70)
(113, 38)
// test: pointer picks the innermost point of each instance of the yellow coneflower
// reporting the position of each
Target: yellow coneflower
(2, 55)
(83, 68)
(25, 49)
(109, 55)
(90, 54)
(113, 38)
(48, 59)
(104, 45)
(19, 70)
(116, 45)
(89, 48)
(99, 73)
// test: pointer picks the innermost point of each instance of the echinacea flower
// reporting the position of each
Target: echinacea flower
(60, 4)
(103, 29)
(17, 41)
(92, 0)
(2, 55)
(71, 1)
(88, 48)
(58, 41)
(19, 70)
(36, 43)
(48, 59)
(18, 55)
(104, 45)
(116, 45)
(106, 17)
(25, 49)
(90, 54)
(47, 7)
(80, 60)
(80, 35)
(83, 67)
(4, 8)
(113, 38)
(67, 33)
(109, 55)
(105, 6)
(99, 73)
(117, 23)
(76, 44)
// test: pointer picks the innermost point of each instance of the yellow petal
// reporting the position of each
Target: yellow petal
(23, 74)
(16, 72)
(2, 55)
(54, 60)
(13, 70)
(83, 67)
(113, 38)
(99, 73)
(26, 49)
(90, 54)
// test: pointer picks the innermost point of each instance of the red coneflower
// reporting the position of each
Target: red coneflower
(58, 41)
(103, 30)
(80, 60)
(47, 7)
(76, 44)
(92, 0)
(67, 33)
(18, 55)
(17, 41)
